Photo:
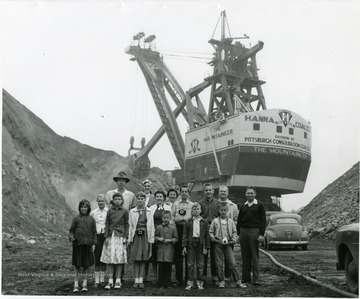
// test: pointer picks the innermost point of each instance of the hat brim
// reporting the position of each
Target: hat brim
(118, 178)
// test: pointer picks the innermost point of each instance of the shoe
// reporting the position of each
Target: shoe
(102, 284)
(246, 281)
(175, 283)
(135, 285)
(215, 283)
(84, 289)
(221, 285)
(76, 290)
(239, 284)
(117, 285)
(188, 288)
(141, 285)
(109, 286)
(200, 287)
(96, 285)
(257, 283)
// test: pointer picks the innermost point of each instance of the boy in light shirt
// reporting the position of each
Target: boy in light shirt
(223, 233)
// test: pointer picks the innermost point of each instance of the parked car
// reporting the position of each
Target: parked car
(269, 213)
(347, 251)
(285, 229)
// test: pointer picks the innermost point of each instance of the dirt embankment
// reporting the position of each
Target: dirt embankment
(45, 175)
(335, 206)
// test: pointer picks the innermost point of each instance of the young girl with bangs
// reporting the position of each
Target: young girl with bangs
(82, 234)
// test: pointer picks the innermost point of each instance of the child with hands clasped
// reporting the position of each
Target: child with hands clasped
(141, 237)
(165, 237)
(195, 243)
(116, 232)
(82, 234)
(223, 233)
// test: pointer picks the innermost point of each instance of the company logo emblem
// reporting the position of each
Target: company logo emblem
(285, 117)
(194, 146)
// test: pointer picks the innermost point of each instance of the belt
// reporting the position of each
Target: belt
(196, 241)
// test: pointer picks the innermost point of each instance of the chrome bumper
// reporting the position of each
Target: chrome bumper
(293, 243)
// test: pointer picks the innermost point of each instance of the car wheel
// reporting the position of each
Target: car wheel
(304, 247)
(270, 247)
(351, 273)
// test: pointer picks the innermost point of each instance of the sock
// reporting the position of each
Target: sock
(97, 276)
(102, 276)
(84, 283)
(76, 284)
(111, 281)
(136, 280)
(118, 281)
(140, 280)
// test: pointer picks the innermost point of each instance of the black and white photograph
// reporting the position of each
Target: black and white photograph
(180, 148)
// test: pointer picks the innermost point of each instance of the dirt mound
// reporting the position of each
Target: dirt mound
(45, 175)
(335, 206)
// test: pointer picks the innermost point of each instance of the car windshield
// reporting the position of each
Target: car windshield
(286, 221)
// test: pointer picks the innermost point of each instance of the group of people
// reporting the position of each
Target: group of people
(165, 230)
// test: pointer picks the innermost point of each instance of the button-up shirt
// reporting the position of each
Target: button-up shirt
(100, 216)
(254, 202)
(196, 227)
(224, 228)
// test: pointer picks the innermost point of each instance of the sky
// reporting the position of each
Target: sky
(66, 62)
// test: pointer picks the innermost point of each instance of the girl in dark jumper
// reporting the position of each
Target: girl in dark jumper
(82, 234)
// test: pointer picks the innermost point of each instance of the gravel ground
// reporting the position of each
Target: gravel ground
(45, 269)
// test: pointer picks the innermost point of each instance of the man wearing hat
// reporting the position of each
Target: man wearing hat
(121, 180)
